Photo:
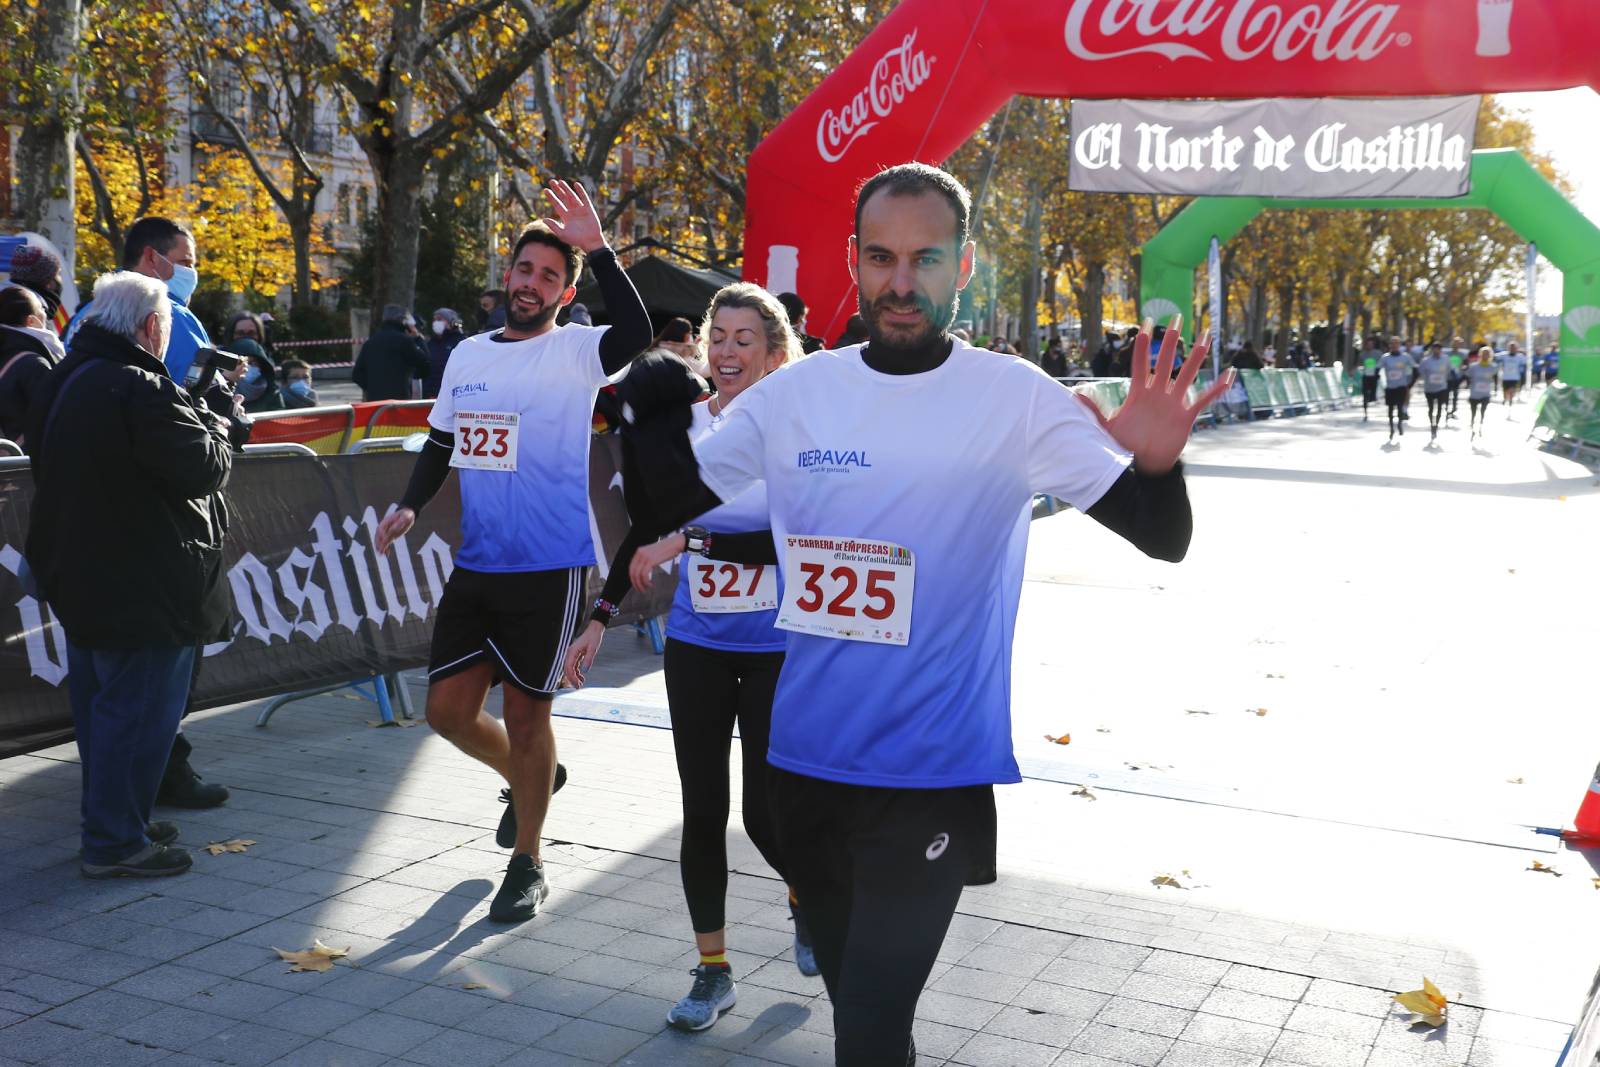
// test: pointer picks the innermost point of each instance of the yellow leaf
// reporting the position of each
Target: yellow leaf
(236, 844)
(1596, 882)
(1257, 712)
(1084, 792)
(476, 985)
(1427, 1004)
(1544, 868)
(1167, 880)
(1514, 781)
(1064, 739)
(318, 957)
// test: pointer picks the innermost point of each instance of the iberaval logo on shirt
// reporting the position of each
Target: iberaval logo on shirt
(469, 389)
(832, 460)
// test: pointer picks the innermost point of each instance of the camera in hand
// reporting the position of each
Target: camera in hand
(216, 361)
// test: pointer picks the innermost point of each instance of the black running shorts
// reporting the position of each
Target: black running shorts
(520, 622)
(1396, 397)
(1369, 388)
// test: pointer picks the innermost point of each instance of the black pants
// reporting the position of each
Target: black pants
(708, 690)
(1437, 402)
(878, 873)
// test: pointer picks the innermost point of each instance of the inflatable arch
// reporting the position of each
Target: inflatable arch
(935, 70)
(1502, 182)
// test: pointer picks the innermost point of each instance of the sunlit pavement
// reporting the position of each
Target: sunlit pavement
(1413, 622)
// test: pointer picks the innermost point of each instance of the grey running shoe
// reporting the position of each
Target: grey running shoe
(805, 958)
(713, 994)
(152, 861)
(523, 890)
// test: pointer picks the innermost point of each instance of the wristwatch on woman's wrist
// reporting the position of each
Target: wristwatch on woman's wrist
(696, 540)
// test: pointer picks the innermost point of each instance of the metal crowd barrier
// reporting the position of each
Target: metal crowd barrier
(10, 448)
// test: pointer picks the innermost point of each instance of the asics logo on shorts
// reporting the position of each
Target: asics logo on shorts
(936, 849)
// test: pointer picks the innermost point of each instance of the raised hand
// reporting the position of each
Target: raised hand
(574, 219)
(1155, 421)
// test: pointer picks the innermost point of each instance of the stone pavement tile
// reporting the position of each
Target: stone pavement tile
(233, 998)
(649, 948)
(314, 1016)
(1311, 1050)
(437, 1004)
(1184, 966)
(980, 985)
(98, 930)
(102, 1049)
(1060, 1000)
(500, 980)
(220, 922)
(103, 1010)
(1521, 1030)
(249, 1044)
(993, 1050)
(673, 1049)
(1160, 989)
(1144, 1017)
(370, 989)
(1394, 1057)
(1005, 960)
(953, 1010)
(578, 933)
(781, 974)
(539, 1057)
(225, 958)
(1268, 983)
(47, 991)
(322, 883)
(1073, 1058)
(1331, 1022)
(30, 950)
(380, 1032)
(1083, 974)
(1049, 942)
(173, 1028)
(324, 1053)
(33, 1040)
(592, 1040)
(799, 1048)
(1487, 1052)
(531, 954)
(1252, 1007)
(517, 1023)
(1189, 1054)
(8, 1017)
(1110, 953)
(936, 1041)
(561, 995)
(1039, 1027)
(605, 970)
(1359, 999)
(631, 1010)
(255, 870)
(463, 1048)
(161, 944)
(1443, 1044)
(273, 902)
(1126, 1046)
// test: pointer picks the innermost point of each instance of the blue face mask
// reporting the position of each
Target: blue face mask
(300, 387)
(252, 375)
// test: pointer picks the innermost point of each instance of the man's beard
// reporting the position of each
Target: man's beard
(533, 323)
(935, 321)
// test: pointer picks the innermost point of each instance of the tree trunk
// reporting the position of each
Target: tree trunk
(399, 181)
(1091, 306)
(300, 225)
(1285, 310)
(45, 152)
(1255, 315)
(1030, 282)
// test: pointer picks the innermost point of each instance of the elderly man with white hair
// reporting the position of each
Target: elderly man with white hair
(125, 541)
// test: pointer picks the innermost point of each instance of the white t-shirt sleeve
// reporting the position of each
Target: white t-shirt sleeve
(442, 416)
(1070, 455)
(734, 458)
(586, 352)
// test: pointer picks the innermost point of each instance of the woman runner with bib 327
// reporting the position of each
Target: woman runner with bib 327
(723, 652)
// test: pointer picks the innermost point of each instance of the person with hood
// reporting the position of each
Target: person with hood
(447, 333)
(28, 349)
(391, 358)
(39, 271)
(258, 385)
(298, 391)
(117, 445)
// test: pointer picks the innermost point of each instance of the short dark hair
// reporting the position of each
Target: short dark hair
(292, 365)
(677, 330)
(537, 232)
(914, 179)
(497, 295)
(794, 307)
(18, 304)
(152, 231)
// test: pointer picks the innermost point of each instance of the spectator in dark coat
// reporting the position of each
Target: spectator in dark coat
(447, 334)
(1247, 358)
(855, 332)
(125, 541)
(796, 310)
(258, 385)
(28, 349)
(491, 309)
(391, 359)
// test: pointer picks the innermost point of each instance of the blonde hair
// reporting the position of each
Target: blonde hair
(780, 336)
(1485, 351)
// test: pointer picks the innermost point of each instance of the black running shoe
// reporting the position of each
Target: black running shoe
(162, 832)
(506, 835)
(523, 890)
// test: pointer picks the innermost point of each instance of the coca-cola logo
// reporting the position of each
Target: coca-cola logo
(1342, 29)
(897, 74)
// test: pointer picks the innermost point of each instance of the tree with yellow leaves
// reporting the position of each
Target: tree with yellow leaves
(245, 244)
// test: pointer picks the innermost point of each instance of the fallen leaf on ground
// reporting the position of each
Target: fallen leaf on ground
(318, 957)
(1102, 729)
(1196, 711)
(1427, 1004)
(1169, 880)
(1257, 712)
(1087, 794)
(1511, 570)
(1544, 868)
(236, 844)
(1596, 882)
(476, 985)
(392, 722)
(1064, 739)
(1270, 675)
(1514, 781)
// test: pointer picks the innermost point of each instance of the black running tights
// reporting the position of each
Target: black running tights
(708, 691)
(1437, 403)
(878, 873)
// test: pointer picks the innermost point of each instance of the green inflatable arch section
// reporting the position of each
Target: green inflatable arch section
(1502, 182)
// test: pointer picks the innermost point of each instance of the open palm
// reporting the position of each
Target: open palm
(1155, 421)
(573, 217)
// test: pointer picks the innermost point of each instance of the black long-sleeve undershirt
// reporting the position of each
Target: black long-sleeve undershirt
(630, 334)
(749, 549)
(1151, 512)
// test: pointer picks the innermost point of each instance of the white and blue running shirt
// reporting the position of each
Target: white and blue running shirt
(1397, 368)
(743, 631)
(1480, 380)
(1513, 365)
(1435, 373)
(535, 518)
(944, 463)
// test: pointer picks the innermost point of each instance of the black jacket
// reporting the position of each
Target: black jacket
(388, 362)
(439, 349)
(125, 534)
(24, 363)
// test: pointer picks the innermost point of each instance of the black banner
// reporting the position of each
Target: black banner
(314, 604)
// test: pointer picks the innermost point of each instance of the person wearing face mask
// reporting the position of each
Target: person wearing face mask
(257, 380)
(28, 349)
(446, 334)
(723, 651)
(297, 389)
(162, 249)
(391, 359)
(247, 326)
(39, 271)
(117, 445)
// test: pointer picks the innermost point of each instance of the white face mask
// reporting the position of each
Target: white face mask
(439, 326)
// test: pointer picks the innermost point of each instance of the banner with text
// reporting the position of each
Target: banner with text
(1289, 149)
(313, 603)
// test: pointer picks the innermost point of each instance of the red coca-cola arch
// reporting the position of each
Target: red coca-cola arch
(935, 70)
